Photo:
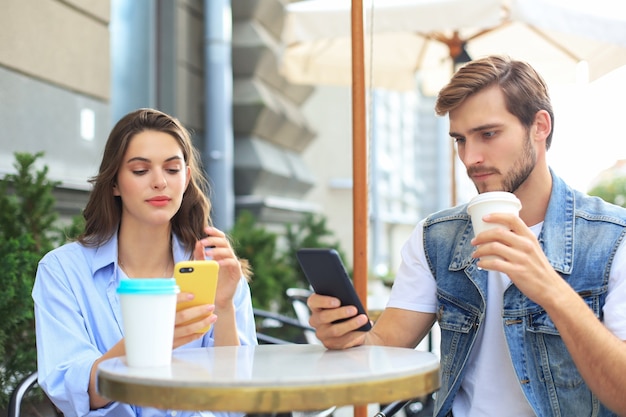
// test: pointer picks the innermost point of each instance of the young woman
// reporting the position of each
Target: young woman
(148, 210)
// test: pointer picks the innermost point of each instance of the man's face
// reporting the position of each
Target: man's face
(492, 143)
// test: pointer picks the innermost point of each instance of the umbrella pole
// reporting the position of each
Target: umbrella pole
(359, 154)
(359, 163)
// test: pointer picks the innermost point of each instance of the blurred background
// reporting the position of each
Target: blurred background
(272, 148)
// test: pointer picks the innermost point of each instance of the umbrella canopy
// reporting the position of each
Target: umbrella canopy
(565, 40)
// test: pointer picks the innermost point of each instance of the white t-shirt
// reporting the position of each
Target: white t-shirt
(415, 289)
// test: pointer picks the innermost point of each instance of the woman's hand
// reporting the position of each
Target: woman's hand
(184, 331)
(216, 246)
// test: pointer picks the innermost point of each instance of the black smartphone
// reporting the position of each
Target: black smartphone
(327, 275)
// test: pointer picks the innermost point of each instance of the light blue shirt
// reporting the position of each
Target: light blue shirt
(78, 319)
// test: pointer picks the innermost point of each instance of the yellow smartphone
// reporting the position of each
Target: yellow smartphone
(199, 278)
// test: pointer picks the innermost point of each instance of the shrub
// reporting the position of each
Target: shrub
(613, 191)
(274, 266)
(311, 232)
(271, 276)
(27, 232)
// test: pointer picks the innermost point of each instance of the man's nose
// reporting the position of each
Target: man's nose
(471, 153)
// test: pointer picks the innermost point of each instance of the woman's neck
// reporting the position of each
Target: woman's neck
(146, 253)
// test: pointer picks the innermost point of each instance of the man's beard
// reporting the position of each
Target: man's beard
(518, 173)
(521, 169)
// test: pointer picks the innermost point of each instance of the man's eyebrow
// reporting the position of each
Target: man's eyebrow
(477, 129)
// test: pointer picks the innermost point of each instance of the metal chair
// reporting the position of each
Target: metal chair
(298, 298)
(21, 390)
(15, 402)
(276, 320)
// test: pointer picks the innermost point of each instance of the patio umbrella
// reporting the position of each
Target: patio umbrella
(335, 42)
(558, 37)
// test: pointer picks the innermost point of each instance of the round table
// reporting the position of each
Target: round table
(273, 378)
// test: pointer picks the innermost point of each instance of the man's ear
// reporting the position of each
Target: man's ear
(542, 126)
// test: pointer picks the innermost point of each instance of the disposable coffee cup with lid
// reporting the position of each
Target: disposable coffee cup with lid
(148, 314)
(491, 202)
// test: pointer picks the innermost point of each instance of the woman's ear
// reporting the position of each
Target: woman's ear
(188, 176)
(116, 192)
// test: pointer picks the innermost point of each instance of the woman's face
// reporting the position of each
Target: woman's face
(152, 179)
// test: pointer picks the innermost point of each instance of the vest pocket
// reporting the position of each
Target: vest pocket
(456, 319)
(458, 324)
(552, 359)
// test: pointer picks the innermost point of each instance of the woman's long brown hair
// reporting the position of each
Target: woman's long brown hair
(103, 211)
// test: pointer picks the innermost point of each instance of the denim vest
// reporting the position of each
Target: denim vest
(580, 236)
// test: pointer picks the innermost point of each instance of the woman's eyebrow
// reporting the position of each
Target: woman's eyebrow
(143, 159)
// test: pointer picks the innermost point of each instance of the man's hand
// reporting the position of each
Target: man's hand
(325, 311)
(521, 258)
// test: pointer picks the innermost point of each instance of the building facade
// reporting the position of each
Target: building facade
(70, 69)
(54, 89)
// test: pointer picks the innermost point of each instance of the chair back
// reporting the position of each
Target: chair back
(298, 298)
(20, 393)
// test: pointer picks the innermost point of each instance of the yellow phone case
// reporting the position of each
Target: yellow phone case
(199, 278)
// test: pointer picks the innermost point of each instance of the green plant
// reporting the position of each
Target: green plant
(311, 232)
(18, 355)
(274, 266)
(271, 276)
(613, 191)
(27, 232)
(29, 210)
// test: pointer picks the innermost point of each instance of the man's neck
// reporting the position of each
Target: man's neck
(534, 194)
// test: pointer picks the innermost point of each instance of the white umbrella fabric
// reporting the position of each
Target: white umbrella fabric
(566, 40)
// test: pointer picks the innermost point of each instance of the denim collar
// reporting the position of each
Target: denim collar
(558, 229)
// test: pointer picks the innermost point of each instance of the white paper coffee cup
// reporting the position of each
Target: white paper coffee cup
(491, 202)
(148, 315)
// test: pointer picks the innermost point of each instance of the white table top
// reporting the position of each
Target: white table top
(273, 378)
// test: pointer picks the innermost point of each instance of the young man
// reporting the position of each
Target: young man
(539, 330)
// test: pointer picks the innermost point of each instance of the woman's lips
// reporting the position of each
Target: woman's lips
(159, 201)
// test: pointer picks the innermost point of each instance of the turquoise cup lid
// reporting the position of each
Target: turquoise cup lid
(148, 286)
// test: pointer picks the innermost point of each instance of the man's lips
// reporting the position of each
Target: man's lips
(480, 175)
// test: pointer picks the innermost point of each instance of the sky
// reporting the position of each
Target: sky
(589, 134)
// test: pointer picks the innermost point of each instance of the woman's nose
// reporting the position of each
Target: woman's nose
(159, 182)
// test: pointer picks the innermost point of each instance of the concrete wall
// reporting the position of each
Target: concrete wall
(54, 88)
